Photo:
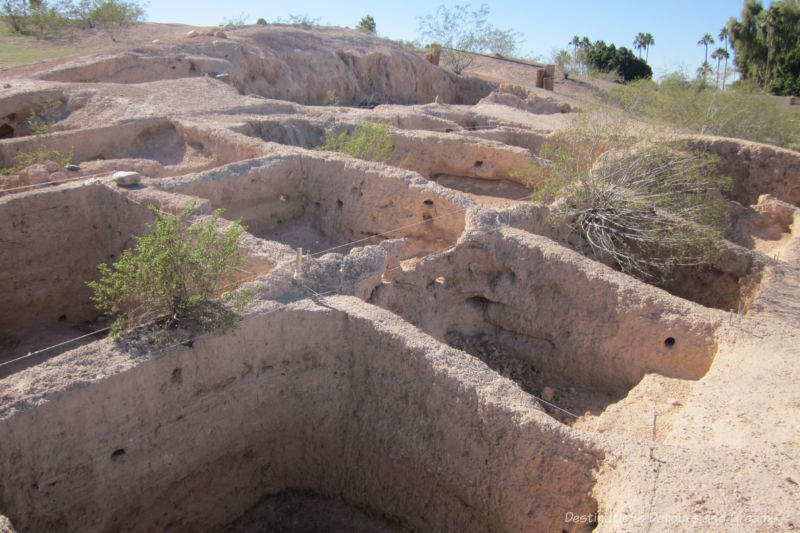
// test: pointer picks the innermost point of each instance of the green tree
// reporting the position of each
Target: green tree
(608, 58)
(367, 24)
(171, 275)
(724, 37)
(647, 41)
(638, 43)
(719, 54)
(765, 43)
(112, 15)
(462, 32)
(705, 68)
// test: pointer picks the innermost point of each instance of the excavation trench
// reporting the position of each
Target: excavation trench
(481, 167)
(340, 400)
(45, 297)
(548, 317)
(323, 202)
(155, 147)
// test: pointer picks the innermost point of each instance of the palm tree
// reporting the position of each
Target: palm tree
(724, 36)
(719, 54)
(638, 43)
(703, 71)
(705, 67)
(576, 42)
(766, 21)
(647, 42)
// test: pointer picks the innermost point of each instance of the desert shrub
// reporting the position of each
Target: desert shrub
(644, 205)
(172, 275)
(331, 98)
(370, 141)
(729, 113)
(367, 24)
(299, 19)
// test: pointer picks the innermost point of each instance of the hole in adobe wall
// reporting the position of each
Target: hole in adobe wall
(669, 342)
(116, 455)
(6, 131)
(428, 202)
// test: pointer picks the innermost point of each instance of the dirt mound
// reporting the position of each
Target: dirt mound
(316, 66)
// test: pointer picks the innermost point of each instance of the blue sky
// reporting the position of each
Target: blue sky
(546, 26)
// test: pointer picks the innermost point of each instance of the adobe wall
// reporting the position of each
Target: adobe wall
(339, 397)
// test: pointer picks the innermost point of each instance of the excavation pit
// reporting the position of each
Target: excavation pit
(548, 317)
(45, 297)
(339, 399)
(46, 300)
(154, 147)
(324, 202)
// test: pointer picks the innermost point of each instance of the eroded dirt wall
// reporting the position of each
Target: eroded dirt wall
(758, 169)
(563, 313)
(344, 198)
(340, 398)
(51, 244)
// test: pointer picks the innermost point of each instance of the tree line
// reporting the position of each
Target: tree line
(43, 19)
(766, 43)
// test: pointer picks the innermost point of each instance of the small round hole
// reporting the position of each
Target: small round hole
(117, 454)
(428, 202)
(669, 342)
(62, 318)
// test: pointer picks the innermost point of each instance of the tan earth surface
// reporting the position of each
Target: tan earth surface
(444, 359)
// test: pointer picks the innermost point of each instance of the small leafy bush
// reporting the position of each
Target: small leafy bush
(646, 206)
(172, 275)
(370, 141)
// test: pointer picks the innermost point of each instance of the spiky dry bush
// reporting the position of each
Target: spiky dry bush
(644, 205)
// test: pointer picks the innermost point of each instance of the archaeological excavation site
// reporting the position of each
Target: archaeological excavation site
(426, 348)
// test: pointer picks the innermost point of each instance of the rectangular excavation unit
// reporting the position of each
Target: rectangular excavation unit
(324, 201)
(52, 242)
(339, 399)
(554, 310)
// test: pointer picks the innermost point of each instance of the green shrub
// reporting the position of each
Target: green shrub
(370, 141)
(646, 206)
(730, 113)
(172, 275)
(367, 24)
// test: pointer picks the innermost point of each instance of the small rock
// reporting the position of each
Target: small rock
(223, 77)
(220, 34)
(126, 179)
(6, 85)
(72, 168)
(192, 33)
(37, 174)
(548, 394)
(156, 41)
